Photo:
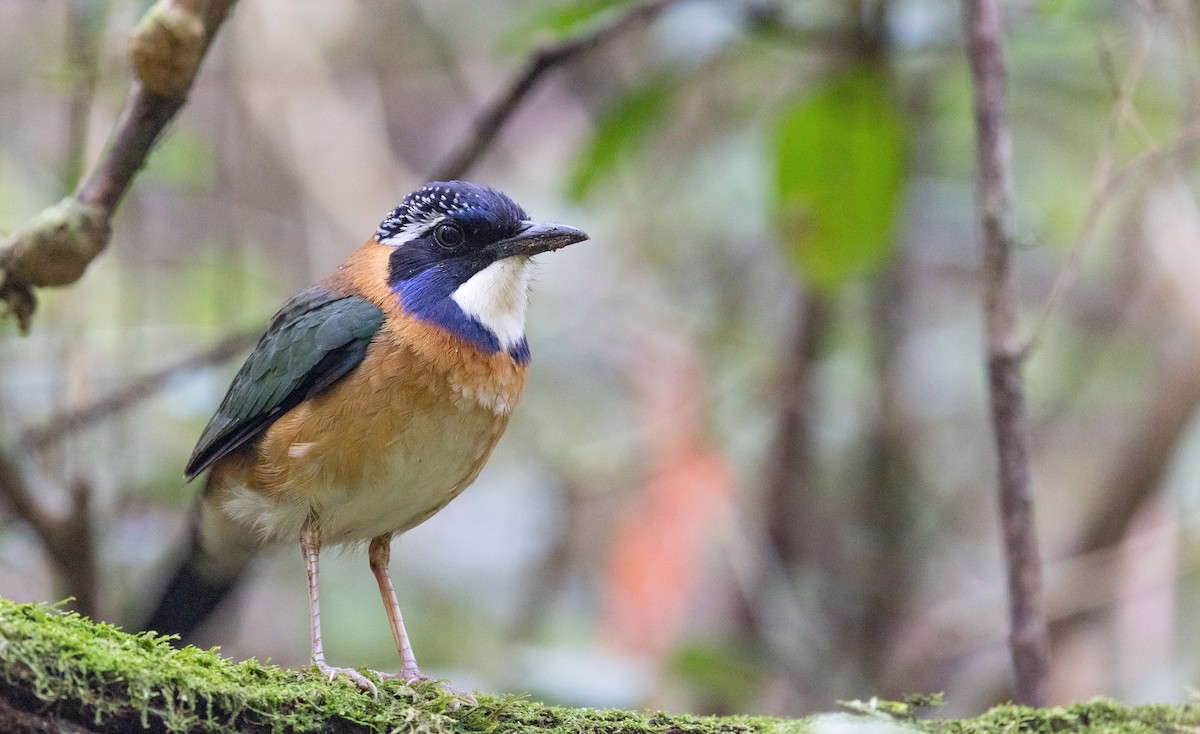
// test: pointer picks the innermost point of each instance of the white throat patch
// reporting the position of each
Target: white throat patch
(497, 297)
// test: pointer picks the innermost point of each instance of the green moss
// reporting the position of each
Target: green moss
(97, 675)
(83, 667)
(61, 668)
(1100, 716)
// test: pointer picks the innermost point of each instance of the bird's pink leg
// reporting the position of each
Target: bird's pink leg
(310, 546)
(379, 553)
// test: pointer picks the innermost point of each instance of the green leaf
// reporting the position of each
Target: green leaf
(620, 130)
(840, 167)
(557, 23)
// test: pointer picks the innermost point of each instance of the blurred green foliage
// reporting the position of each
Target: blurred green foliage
(555, 22)
(840, 161)
(720, 673)
(184, 161)
(619, 133)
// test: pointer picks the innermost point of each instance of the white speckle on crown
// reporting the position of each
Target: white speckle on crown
(420, 211)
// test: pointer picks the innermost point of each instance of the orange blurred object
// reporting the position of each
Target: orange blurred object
(665, 537)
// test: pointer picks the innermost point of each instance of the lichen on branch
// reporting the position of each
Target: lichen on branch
(55, 246)
(166, 47)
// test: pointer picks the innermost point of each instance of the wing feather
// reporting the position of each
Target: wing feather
(317, 338)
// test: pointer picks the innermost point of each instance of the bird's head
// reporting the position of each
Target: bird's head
(460, 261)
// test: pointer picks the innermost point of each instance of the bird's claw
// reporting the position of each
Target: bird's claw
(359, 679)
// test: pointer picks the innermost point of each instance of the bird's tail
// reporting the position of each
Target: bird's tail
(216, 557)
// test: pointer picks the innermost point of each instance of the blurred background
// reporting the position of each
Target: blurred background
(753, 470)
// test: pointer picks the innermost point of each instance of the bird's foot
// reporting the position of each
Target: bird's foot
(359, 679)
(408, 675)
(414, 676)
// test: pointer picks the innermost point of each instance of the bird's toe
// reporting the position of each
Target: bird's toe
(358, 678)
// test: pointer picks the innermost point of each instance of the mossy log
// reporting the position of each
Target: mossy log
(60, 672)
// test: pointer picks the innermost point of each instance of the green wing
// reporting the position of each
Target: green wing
(317, 338)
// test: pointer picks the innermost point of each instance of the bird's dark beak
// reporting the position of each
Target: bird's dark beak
(538, 237)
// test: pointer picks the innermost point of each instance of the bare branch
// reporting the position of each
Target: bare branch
(1028, 636)
(67, 538)
(69, 423)
(15, 492)
(496, 115)
(56, 246)
(795, 529)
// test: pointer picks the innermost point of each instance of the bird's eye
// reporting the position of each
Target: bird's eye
(448, 236)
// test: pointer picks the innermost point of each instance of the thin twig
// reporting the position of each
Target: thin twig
(69, 423)
(1112, 186)
(1028, 635)
(1104, 186)
(494, 117)
(68, 539)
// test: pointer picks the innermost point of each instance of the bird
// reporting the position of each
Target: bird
(373, 399)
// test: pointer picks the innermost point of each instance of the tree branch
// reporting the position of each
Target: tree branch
(66, 538)
(55, 247)
(795, 529)
(59, 672)
(69, 423)
(1028, 638)
(495, 116)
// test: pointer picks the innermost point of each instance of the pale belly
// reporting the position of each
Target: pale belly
(418, 480)
(360, 476)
